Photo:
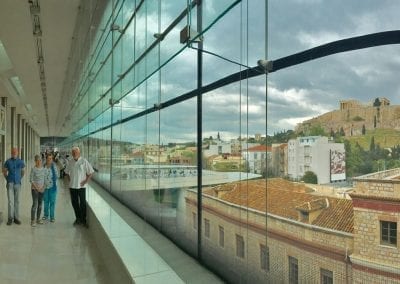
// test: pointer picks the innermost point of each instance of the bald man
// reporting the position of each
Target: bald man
(79, 172)
(13, 171)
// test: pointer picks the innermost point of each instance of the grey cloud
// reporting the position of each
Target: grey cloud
(363, 74)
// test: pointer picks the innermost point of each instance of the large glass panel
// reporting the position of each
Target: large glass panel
(233, 124)
(129, 176)
(176, 191)
(140, 33)
(180, 67)
(150, 160)
(212, 10)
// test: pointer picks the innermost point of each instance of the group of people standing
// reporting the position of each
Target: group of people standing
(43, 180)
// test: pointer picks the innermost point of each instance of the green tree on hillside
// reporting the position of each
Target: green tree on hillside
(353, 158)
(281, 137)
(317, 130)
(372, 144)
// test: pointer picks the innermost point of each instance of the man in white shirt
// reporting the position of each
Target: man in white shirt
(79, 172)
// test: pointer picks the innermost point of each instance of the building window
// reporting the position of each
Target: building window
(194, 220)
(326, 276)
(255, 156)
(206, 228)
(221, 236)
(389, 233)
(239, 246)
(264, 257)
(293, 270)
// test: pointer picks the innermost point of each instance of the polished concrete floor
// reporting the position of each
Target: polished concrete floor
(49, 253)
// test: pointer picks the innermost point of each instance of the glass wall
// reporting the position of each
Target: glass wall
(156, 140)
(162, 121)
(171, 107)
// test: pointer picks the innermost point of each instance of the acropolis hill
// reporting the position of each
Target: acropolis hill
(353, 115)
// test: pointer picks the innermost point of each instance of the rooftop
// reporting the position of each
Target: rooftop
(281, 197)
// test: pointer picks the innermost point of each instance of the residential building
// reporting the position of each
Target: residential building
(279, 160)
(258, 158)
(218, 147)
(310, 238)
(317, 154)
(318, 242)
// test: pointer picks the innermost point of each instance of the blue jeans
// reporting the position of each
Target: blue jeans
(13, 190)
(49, 198)
(37, 198)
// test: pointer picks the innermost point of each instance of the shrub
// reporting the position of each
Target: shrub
(310, 177)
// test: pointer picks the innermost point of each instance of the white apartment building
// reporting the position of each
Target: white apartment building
(257, 158)
(319, 155)
(218, 148)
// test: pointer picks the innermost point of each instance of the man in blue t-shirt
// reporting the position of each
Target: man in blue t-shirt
(13, 171)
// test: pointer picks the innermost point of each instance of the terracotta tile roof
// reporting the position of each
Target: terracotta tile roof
(260, 148)
(281, 197)
(338, 216)
(314, 205)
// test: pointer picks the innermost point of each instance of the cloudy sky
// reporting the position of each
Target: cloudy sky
(239, 39)
(313, 88)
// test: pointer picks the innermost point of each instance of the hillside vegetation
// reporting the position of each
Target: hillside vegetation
(385, 138)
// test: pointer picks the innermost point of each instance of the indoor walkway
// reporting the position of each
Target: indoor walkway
(49, 253)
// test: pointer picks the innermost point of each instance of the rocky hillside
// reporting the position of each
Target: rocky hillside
(355, 118)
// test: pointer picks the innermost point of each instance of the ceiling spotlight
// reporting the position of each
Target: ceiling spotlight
(37, 32)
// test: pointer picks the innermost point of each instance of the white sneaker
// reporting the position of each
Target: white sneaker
(33, 223)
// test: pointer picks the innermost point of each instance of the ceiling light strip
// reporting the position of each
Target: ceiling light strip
(34, 8)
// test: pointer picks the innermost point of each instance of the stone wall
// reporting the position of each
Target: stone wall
(367, 237)
(363, 275)
(314, 248)
(353, 258)
(381, 189)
